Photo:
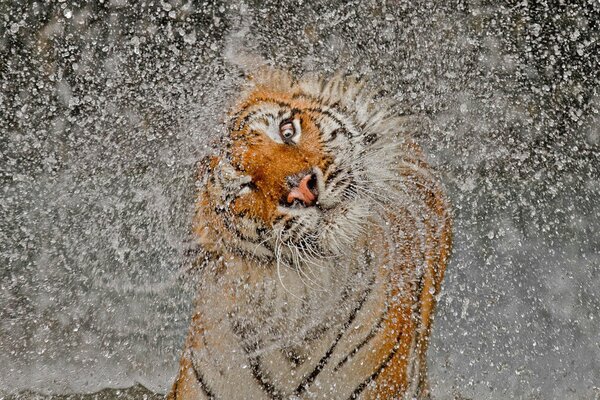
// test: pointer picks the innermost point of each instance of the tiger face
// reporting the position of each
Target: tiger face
(296, 175)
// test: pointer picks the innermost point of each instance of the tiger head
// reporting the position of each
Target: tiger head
(302, 169)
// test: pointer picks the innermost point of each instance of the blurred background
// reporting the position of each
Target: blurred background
(106, 107)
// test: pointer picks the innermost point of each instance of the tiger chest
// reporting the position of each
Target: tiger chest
(288, 332)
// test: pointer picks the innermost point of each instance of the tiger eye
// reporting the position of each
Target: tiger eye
(286, 130)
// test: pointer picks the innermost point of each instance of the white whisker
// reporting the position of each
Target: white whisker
(278, 245)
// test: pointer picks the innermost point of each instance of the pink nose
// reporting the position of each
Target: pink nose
(305, 191)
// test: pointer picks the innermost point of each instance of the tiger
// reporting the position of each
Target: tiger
(324, 237)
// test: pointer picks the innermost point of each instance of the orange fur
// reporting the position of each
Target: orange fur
(269, 162)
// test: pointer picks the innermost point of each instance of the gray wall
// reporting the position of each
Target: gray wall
(105, 110)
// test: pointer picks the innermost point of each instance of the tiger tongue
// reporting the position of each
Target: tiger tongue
(302, 192)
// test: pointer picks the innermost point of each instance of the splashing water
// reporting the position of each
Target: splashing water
(105, 110)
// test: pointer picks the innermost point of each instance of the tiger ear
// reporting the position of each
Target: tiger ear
(205, 166)
(230, 122)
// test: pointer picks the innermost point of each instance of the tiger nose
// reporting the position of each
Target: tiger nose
(305, 191)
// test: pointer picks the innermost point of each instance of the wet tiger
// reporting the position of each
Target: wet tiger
(324, 237)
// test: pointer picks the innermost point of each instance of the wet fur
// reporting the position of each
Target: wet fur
(332, 301)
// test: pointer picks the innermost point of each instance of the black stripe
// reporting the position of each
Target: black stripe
(379, 369)
(369, 138)
(230, 224)
(373, 331)
(202, 383)
(298, 95)
(254, 361)
(262, 380)
(294, 358)
(273, 101)
(289, 224)
(335, 173)
(323, 361)
(316, 333)
(376, 327)
(174, 390)
(333, 117)
(362, 344)
(333, 135)
(280, 114)
(419, 289)
(417, 309)
(244, 121)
